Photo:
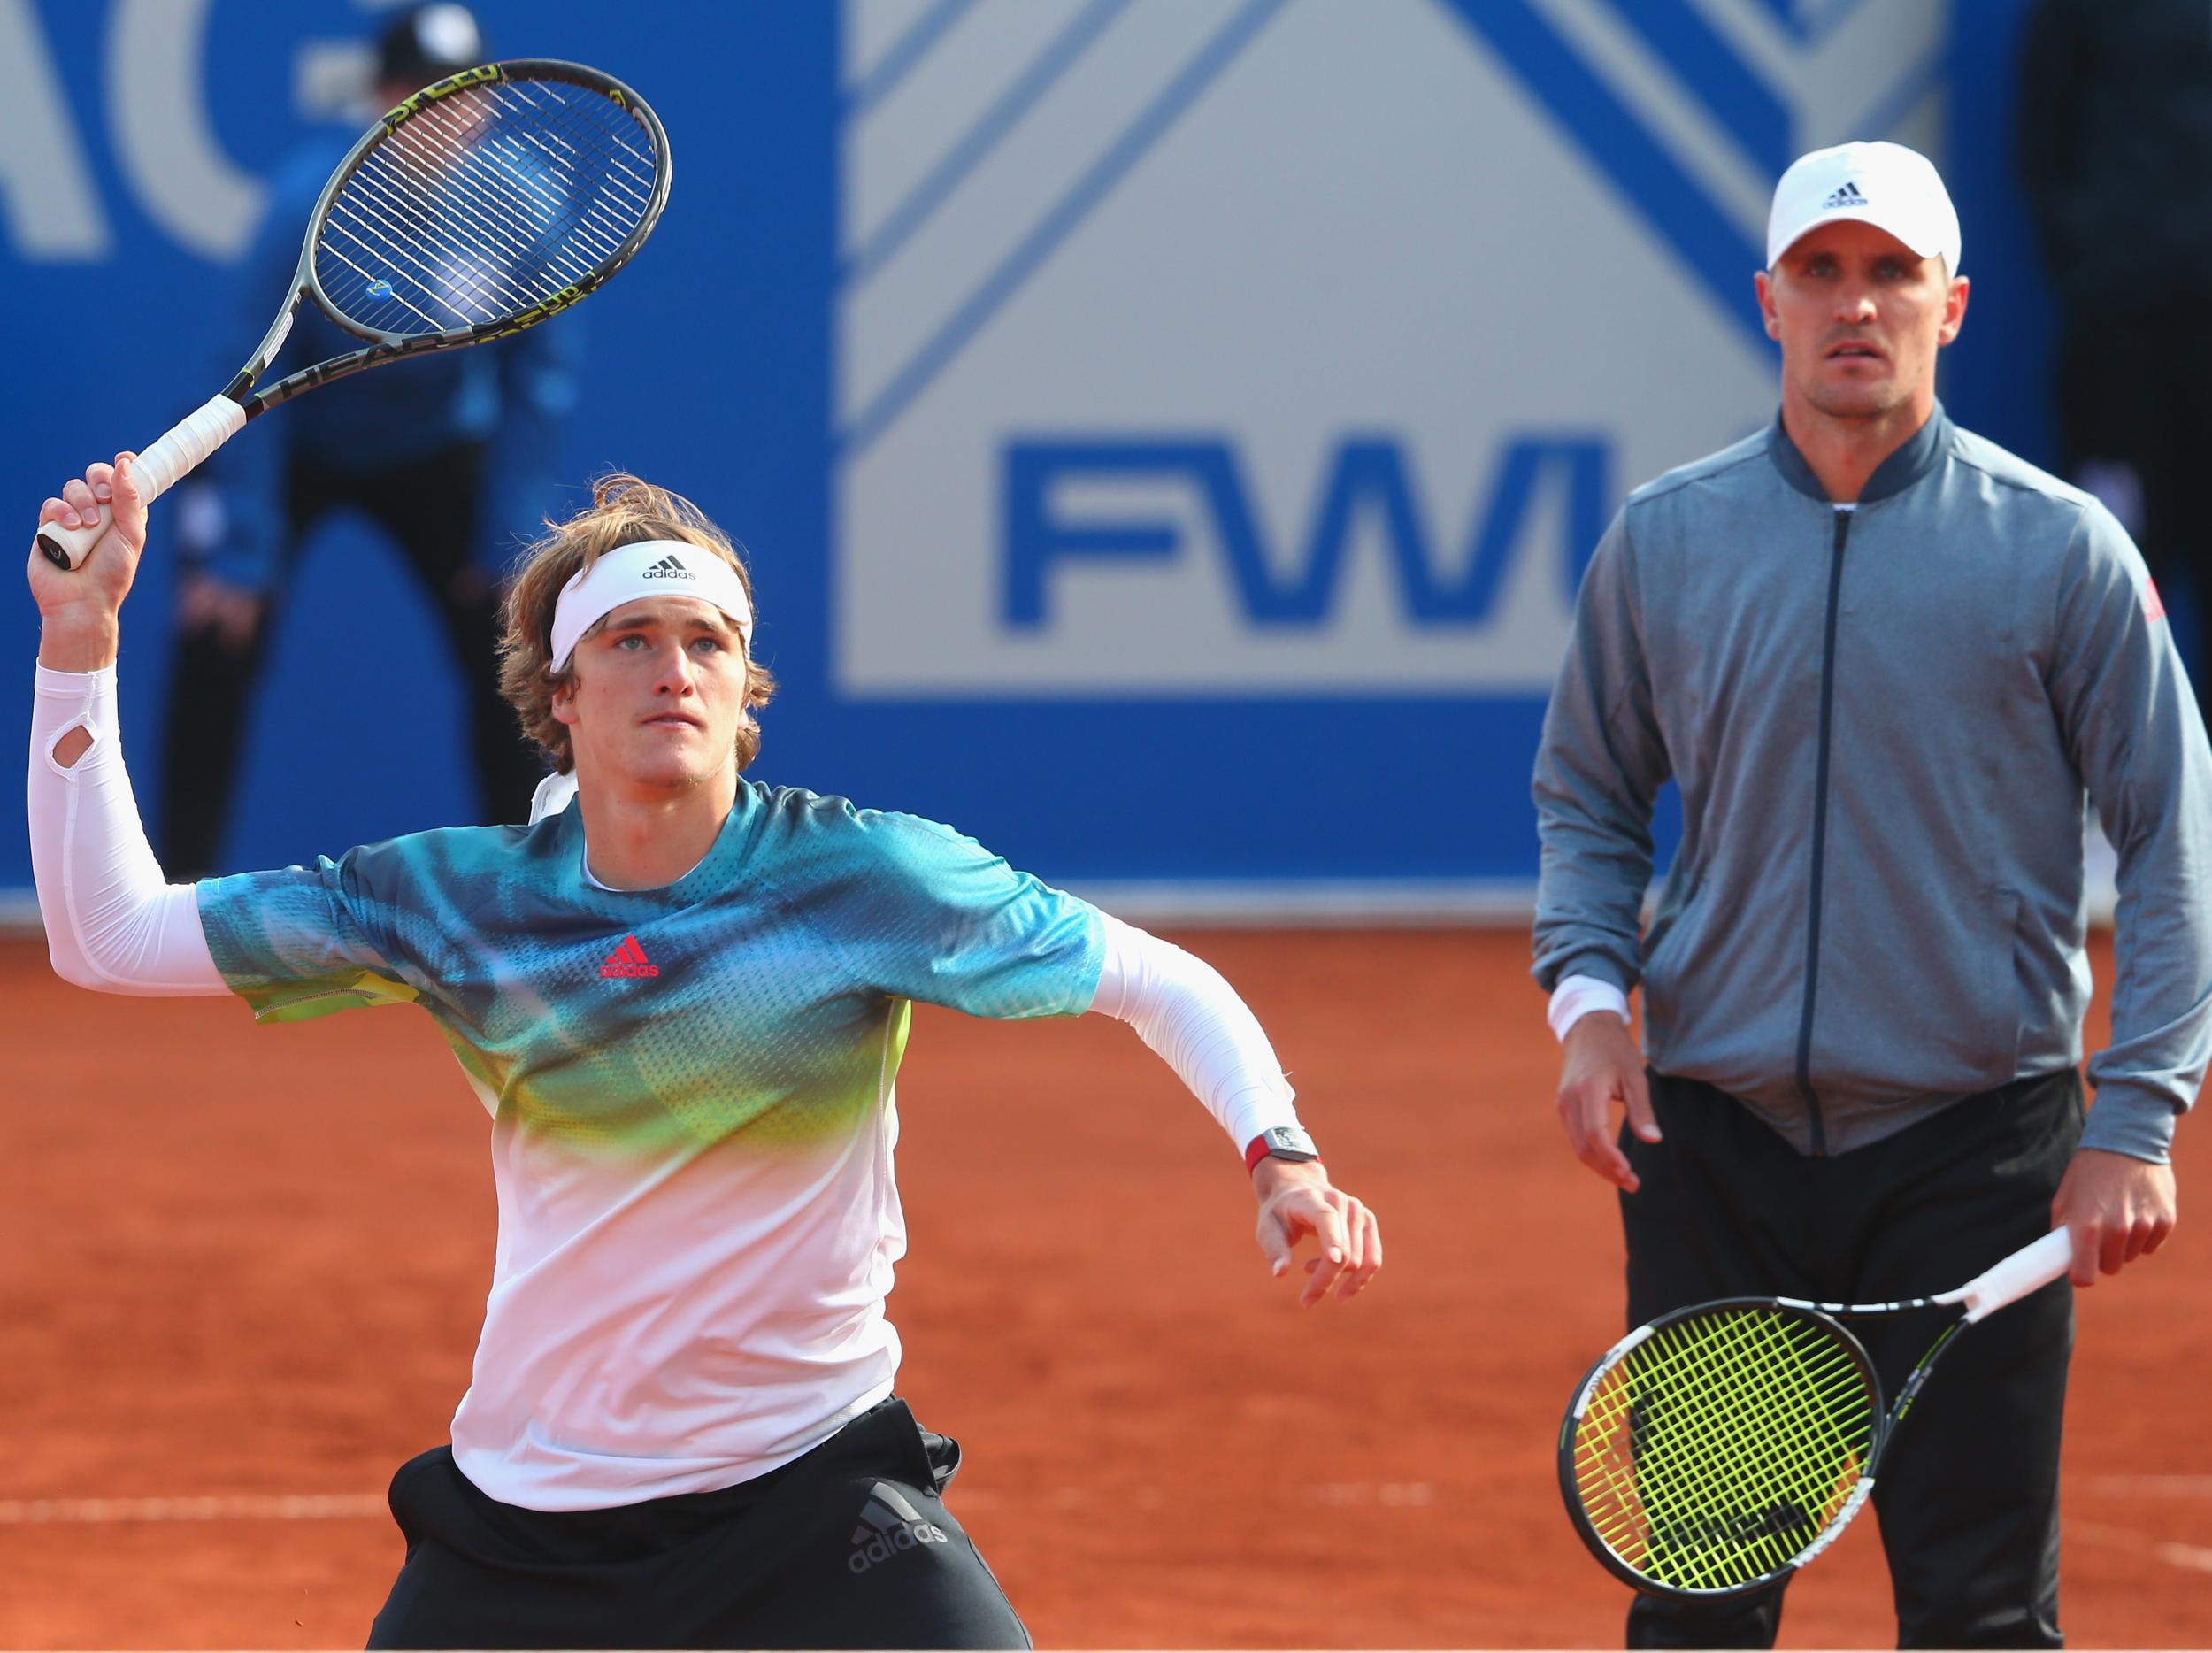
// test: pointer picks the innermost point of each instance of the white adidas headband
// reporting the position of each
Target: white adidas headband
(651, 568)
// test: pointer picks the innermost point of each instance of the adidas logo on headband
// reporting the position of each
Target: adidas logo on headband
(631, 571)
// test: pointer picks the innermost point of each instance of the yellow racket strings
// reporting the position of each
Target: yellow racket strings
(1722, 1445)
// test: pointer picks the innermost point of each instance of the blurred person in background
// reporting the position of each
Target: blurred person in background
(451, 455)
(2113, 143)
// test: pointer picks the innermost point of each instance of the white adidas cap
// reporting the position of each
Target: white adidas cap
(1887, 185)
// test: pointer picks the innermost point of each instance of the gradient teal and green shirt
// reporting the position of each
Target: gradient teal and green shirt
(692, 1096)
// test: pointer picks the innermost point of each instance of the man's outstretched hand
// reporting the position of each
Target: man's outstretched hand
(1296, 1201)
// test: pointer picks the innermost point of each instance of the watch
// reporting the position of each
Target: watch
(1282, 1142)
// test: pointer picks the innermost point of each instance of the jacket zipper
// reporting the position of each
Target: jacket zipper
(1820, 836)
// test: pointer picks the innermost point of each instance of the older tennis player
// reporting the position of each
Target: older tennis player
(1888, 665)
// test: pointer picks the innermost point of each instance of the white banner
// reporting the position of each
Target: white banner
(1297, 347)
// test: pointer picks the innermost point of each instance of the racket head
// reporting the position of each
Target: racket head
(1715, 1451)
(484, 203)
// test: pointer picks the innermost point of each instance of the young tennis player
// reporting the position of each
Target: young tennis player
(683, 998)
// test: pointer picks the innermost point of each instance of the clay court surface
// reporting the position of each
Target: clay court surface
(245, 1267)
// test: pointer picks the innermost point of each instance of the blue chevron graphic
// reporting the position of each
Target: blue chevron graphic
(1709, 68)
(1184, 90)
(1682, 213)
(1811, 21)
(976, 145)
(1719, 250)
(905, 53)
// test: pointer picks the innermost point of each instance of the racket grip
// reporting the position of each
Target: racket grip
(2029, 1269)
(160, 468)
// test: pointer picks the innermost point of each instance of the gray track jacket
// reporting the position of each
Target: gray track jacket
(1882, 722)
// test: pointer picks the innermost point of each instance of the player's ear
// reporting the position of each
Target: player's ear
(1954, 309)
(564, 702)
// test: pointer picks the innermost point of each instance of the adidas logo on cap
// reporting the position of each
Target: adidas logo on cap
(1894, 189)
(890, 1524)
(669, 568)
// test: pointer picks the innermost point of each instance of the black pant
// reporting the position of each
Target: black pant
(850, 1546)
(433, 510)
(1968, 1497)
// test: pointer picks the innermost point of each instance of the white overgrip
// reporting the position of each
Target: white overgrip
(2029, 1269)
(160, 467)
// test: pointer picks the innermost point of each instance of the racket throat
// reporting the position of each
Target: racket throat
(1911, 1392)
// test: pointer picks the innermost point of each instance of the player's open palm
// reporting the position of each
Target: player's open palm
(99, 585)
(1297, 1203)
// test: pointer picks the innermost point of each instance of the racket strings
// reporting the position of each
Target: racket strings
(1802, 1416)
(522, 222)
(1742, 1497)
(415, 261)
(531, 197)
(1759, 1464)
(587, 225)
(382, 221)
(471, 215)
(1653, 1477)
(488, 202)
(1718, 1447)
(635, 182)
(458, 272)
(490, 242)
(1683, 1524)
(1750, 1481)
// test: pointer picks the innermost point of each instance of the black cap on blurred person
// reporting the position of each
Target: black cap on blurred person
(426, 43)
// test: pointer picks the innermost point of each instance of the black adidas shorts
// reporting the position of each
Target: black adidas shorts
(850, 1546)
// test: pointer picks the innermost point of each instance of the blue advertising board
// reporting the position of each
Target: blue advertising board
(1167, 432)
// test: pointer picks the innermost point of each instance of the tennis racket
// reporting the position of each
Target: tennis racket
(479, 206)
(1715, 1450)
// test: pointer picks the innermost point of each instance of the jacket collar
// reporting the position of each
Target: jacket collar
(1893, 475)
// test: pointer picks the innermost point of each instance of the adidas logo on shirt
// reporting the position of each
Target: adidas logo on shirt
(629, 959)
(1847, 196)
(888, 1524)
(668, 568)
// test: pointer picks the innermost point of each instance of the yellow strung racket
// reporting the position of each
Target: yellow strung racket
(1717, 1449)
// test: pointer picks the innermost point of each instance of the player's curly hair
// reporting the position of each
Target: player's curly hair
(624, 511)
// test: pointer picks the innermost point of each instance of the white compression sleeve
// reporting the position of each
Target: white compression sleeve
(1182, 1008)
(110, 921)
